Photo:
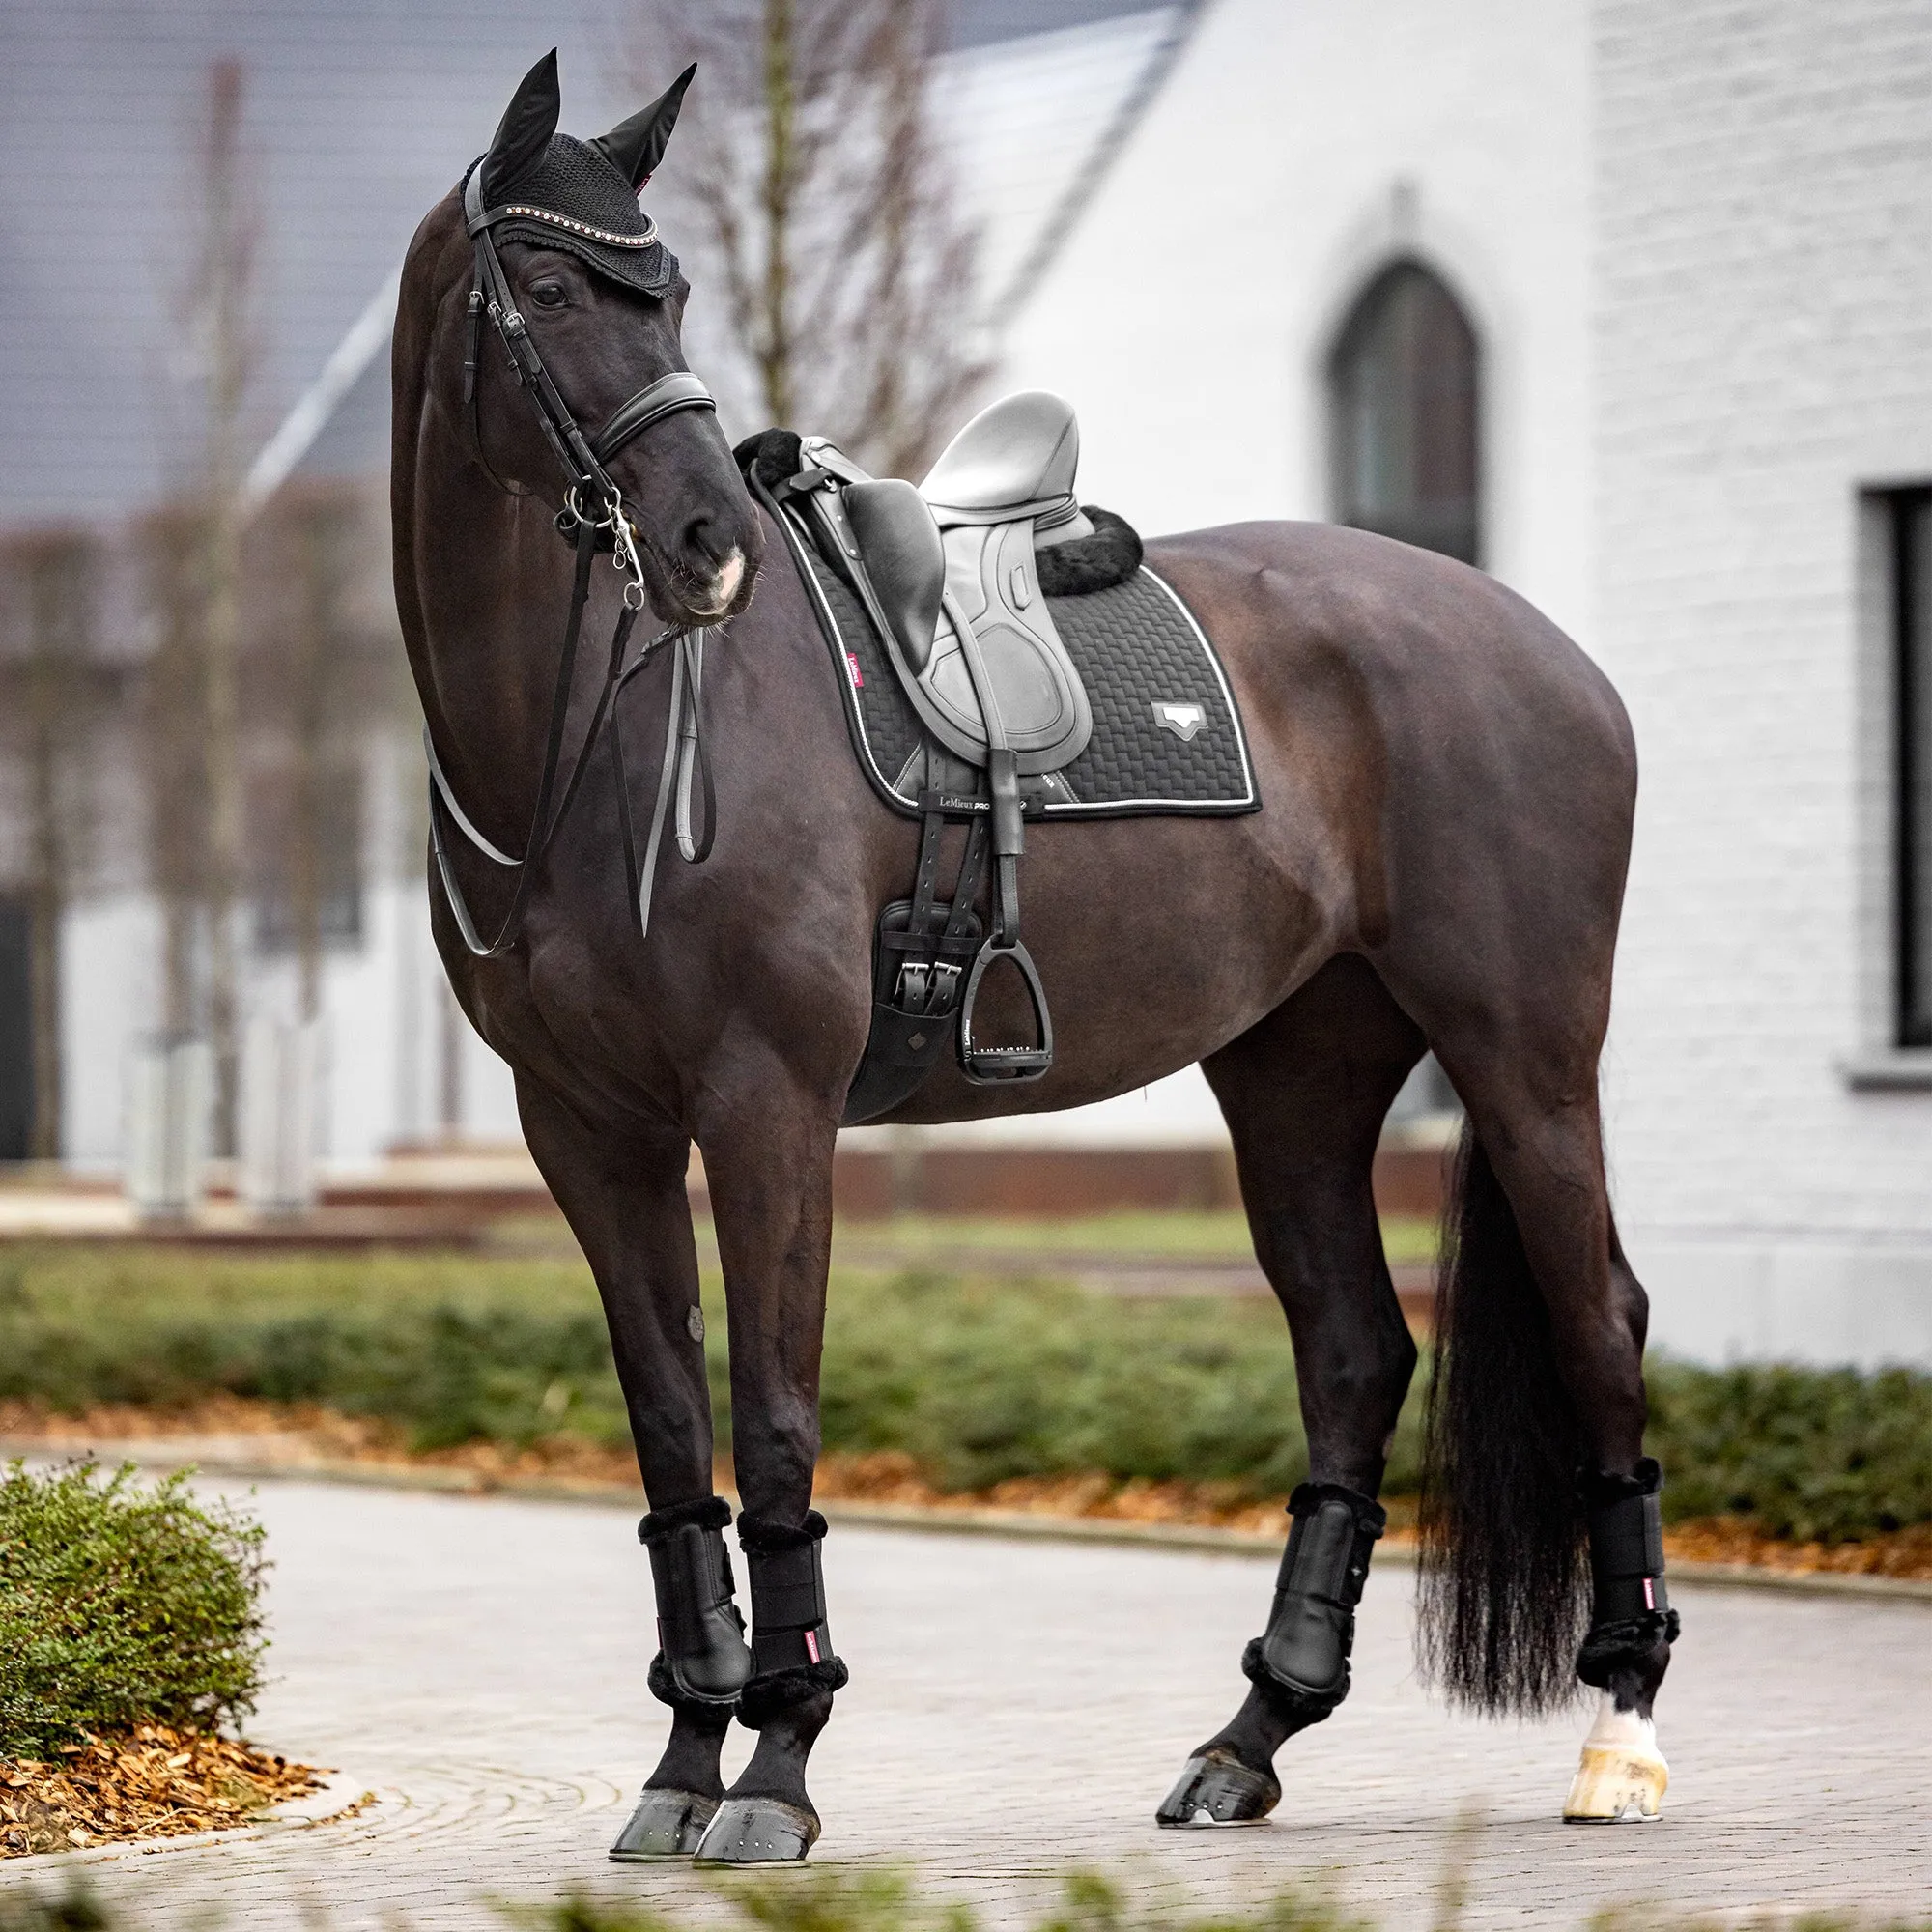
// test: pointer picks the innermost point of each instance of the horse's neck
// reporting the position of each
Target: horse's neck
(493, 583)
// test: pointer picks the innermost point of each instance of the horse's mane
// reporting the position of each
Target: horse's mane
(416, 315)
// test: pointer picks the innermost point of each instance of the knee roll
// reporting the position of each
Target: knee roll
(1300, 1663)
(791, 1639)
(704, 1661)
(1631, 1612)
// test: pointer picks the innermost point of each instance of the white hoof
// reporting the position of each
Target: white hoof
(1622, 1778)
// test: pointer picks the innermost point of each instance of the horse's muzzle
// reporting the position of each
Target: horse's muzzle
(715, 599)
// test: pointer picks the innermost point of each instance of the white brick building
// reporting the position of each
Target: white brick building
(1763, 351)
(1695, 242)
(1687, 249)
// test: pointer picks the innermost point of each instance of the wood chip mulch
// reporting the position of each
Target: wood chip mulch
(1728, 1539)
(150, 1783)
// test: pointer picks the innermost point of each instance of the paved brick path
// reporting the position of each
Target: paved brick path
(1017, 1707)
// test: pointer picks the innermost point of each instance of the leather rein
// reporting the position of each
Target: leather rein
(592, 520)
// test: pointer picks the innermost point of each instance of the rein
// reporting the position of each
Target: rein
(583, 459)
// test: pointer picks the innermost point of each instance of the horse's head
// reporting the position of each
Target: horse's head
(578, 295)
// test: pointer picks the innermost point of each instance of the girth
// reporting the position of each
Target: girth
(594, 519)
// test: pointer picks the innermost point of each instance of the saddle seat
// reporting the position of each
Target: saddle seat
(950, 566)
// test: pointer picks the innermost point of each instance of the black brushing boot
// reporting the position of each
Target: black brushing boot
(701, 1665)
(767, 1818)
(1298, 1667)
(1622, 1776)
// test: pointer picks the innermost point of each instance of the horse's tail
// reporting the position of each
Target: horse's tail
(1504, 1589)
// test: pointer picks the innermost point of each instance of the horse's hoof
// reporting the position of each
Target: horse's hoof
(757, 1831)
(1219, 1789)
(1622, 1776)
(665, 1825)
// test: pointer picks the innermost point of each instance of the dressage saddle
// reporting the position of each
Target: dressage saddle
(951, 568)
(950, 576)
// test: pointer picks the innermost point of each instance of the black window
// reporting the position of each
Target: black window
(1404, 392)
(17, 1030)
(1911, 629)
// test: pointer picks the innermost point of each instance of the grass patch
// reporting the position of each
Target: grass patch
(1179, 1234)
(120, 1606)
(819, 1900)
(976, 1380)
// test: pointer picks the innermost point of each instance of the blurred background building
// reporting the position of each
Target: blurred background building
(1625, 302)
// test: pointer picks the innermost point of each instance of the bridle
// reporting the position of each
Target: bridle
(592, 520)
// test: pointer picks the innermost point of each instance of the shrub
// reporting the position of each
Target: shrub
(122, 1605)
(975, 1380)
(1814, 1454)
(983, 1381)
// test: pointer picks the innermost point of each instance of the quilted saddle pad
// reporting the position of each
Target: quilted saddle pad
(1167, 733)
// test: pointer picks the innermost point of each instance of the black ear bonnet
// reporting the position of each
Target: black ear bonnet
(574, 195)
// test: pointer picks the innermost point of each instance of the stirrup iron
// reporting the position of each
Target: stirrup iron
(998, 1066)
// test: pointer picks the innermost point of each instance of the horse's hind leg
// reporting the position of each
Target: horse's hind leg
(626, 1204)
(1305, 1093)
(1544, 1336)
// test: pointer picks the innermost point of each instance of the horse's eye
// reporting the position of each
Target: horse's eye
(549, 295)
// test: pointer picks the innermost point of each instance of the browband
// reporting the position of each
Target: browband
(518, 211)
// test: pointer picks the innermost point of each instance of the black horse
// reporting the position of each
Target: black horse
(1447, 785)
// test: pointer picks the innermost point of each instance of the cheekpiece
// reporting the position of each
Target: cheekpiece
(570, 197)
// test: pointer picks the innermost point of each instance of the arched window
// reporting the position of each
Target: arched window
(1403, 392)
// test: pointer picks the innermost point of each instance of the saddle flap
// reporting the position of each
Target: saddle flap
(1016, 458)
(947, 582)
(993, 590)
(904, 558)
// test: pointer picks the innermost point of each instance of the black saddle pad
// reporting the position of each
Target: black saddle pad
(1167, 733)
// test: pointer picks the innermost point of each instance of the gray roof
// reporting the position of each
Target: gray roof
(359, 114)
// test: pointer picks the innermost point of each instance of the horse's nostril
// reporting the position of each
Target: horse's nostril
(707, 544)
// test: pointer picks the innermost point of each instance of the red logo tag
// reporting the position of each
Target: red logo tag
(1649, 1595)
(858, 683)
(811, 1636)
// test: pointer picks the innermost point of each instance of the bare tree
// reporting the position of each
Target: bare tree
(172, 543)
(808, 161)
(54, 690)
(225, 288)
(319, 674)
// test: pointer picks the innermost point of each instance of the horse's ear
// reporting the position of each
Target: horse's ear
(634, 147)
(526, 128)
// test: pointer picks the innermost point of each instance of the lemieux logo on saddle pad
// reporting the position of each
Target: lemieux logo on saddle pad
(1183, 720)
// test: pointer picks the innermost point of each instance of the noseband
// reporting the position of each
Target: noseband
(593, 519)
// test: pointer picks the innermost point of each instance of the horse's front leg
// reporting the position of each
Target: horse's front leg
(624, 1197)
(768, 1144)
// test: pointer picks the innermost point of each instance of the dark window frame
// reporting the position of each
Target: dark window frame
(17, 1027)
(1911, 762)
(1452, 532)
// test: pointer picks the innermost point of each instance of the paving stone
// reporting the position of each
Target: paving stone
(1015, 1709)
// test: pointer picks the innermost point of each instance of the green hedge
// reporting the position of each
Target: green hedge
(1814, 1454)
(121, 1605)
(979, 1380)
